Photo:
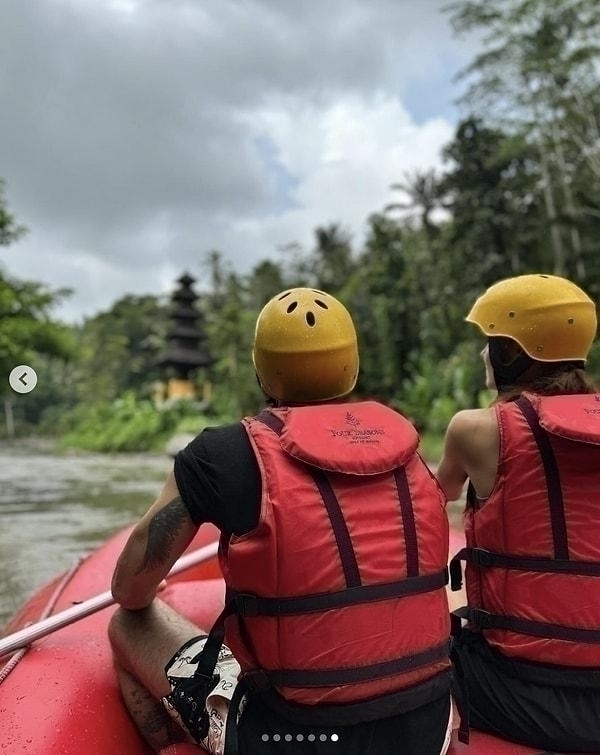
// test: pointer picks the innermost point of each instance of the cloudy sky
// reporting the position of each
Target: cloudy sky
(138, 135)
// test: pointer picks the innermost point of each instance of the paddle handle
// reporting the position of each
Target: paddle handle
(26, 636)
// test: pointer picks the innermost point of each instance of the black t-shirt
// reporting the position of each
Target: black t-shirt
(219, 482)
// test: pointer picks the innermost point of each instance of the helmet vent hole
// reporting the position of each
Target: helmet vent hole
(291, 307)
(570, 320)
(511, 314)
(321, 304)
(310, 319)
(491, 326)
(284, 295)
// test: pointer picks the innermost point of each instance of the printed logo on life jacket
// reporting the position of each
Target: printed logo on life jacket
(356, 433)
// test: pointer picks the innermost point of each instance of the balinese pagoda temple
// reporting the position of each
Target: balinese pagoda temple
(186, 352)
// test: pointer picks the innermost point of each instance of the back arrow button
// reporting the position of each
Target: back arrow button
(22, 378)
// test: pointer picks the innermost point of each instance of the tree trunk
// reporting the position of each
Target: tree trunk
(9, 417)
(558, 251)
(565, 184)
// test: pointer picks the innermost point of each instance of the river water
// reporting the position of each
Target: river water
(56, 508)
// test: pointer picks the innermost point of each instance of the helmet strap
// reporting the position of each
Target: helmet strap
(506, 374)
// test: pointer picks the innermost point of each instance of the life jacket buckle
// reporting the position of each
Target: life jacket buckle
(456, 577)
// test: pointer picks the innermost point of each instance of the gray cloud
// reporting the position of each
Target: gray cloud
(137, 135)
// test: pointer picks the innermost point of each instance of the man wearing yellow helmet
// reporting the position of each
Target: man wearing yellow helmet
(334, 547)
(527, 662)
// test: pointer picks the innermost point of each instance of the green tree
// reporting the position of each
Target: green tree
(27, 331)
(327, 266)
(119, 350)
(231, 310)
(10, 230)
(491, 191)
(28, 334)
(331, 262)
(265, 280)
(422, 196)
(538, 78)
(386, 295)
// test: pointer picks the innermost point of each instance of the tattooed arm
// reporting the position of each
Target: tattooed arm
(156, 542)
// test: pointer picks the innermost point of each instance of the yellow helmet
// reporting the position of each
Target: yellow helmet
(550, 317)
(305, 347)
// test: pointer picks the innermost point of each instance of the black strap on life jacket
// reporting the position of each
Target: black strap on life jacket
(487, 620)
(260, 680)
(408, 522)
(460, 694)
(271, 420)
(247, 604)
(485, 558)
(555, 497)
(339, 527)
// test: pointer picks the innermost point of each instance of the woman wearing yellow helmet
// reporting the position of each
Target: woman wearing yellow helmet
(527, 662)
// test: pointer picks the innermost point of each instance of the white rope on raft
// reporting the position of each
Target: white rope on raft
(26, 636)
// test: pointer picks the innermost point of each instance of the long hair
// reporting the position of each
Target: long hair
(551, 379)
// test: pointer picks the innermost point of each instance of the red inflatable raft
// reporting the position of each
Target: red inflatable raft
(59, 695)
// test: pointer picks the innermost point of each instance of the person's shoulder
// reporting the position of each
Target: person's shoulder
(468, 420)
(214, 437)
(470, 451)
(220, 436)
(472, 430)
(231, 428)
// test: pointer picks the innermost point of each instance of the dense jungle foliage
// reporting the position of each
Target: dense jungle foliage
(519, 193)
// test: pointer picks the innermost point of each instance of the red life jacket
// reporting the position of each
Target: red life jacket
(339, 590)
(533, 546)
